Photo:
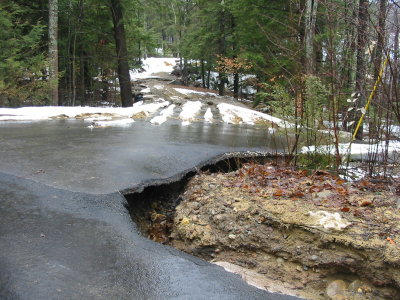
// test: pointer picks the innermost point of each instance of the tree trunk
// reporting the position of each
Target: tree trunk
(311, 15)
(53, 51)
(236, 86)
(394, 64)
(361, 66)
(203, 76)
(82, 87)
(381, 38)
(394, 103)
(374, 123)
(208, 76)
(222, 76)
(122, 54)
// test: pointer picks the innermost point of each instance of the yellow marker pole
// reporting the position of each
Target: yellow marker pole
(371, 96)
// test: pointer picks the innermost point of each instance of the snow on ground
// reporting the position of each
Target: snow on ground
(169, 111)
(159, 86)
(97, 119)
(145, 91)
(395, 130)
(208, 116)
(357, 151)
(233, 114)
(153, 65)
(38, 113)
(188, 91)
(189, 110)
(116, 123)
(21, 118)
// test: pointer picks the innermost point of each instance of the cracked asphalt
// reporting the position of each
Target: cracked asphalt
(65, 232)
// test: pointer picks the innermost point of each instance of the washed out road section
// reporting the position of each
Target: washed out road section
(65, 231)
(57, 244)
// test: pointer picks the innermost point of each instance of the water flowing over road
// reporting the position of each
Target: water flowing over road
(65, 232)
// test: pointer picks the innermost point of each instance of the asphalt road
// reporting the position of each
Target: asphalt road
(68, 155)
(65, 232)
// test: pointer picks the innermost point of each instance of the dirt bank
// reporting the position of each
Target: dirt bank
(289, 231)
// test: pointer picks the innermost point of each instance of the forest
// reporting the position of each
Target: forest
(317, 63)
(267, 144)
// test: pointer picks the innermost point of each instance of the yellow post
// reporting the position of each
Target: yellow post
(371, 96)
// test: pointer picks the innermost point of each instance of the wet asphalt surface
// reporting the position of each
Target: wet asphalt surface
(65, 232)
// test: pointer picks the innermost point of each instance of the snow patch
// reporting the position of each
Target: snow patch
(48, 112)
(97, 119)
(208, 116)
(116, 123)
(188, 92)
(189, 110)
(328, 221)
(22, 118)
(145, 91)
(151, 108)
(357, 151)
(164, 114)
(153, 65)
(232, 114)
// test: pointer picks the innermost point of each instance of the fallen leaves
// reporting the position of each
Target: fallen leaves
(390, 240)
(365, 203)
(321, 189)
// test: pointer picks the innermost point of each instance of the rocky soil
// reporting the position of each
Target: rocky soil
(311, 235)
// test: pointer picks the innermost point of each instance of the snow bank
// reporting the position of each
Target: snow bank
(49, 112)
(22, 118)
(188, 91)
(154, 65)
(150, 108)
(208, 116)
(234, 114)
(189, 110)
(327, 220)
(116, 123)
(357, 151)
(169, 111)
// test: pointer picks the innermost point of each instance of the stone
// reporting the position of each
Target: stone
(355, 286)
(325, 194)
(279, 260)
(336, 288)
(232, 236)
(314, 257)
